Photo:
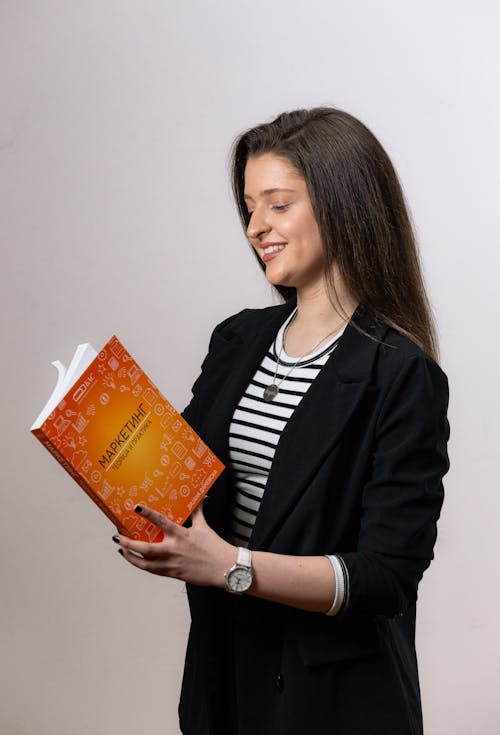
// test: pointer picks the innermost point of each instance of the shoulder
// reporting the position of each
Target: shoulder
(398, 351)
(246, 320)
(386, 359)
(373, 351)
(403, 368)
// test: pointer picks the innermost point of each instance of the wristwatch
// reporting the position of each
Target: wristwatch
(240, 577)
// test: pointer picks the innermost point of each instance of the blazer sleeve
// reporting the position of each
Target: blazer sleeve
(202, 385)
(402, 498)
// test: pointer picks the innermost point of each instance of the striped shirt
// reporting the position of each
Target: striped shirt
(257, 425)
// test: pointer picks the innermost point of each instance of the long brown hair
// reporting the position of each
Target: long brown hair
(360, 209)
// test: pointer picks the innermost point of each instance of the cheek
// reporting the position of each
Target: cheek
(301, 229)
(287, 228)
(312, 239)
(309, 230)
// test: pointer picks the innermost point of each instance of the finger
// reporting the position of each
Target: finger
(158, 519)
(147, 565)
(144, 548)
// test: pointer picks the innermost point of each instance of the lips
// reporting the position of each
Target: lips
(271, 250)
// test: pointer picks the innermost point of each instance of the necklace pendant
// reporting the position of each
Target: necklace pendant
(270, 392)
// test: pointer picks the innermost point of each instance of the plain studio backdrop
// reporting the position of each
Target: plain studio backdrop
(116, 217)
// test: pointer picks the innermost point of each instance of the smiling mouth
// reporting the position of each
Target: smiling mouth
(273, 249)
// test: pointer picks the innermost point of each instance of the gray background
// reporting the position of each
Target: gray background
(116, 217)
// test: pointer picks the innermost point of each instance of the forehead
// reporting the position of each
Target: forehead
(268, 171)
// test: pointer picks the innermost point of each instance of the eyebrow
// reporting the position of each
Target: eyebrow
(265, 192)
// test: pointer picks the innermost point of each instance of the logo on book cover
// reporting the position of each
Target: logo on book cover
(84, 388)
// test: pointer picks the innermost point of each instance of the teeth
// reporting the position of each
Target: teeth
(273, 249)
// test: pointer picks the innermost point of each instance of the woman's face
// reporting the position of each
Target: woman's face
(282, 227)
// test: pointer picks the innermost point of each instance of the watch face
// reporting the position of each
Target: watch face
(239, 579)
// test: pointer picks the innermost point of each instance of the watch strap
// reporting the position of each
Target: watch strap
(244, 557)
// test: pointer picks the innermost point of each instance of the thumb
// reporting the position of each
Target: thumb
(198, 517)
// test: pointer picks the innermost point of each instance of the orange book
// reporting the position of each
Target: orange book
(109, 426)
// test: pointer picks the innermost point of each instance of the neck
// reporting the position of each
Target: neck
(319, 315)
(318, 310)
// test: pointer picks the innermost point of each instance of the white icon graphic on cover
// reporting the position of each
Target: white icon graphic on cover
(116, 507)
(78, 458)
(134, 373)
(86, 466)
(150, 396)
(179, 450)
(116, 348)
(81, 423)
(108, 381)
(106, 490)
(60, 425)
(69, 441)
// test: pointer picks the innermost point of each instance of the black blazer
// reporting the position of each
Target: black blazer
(357, 472)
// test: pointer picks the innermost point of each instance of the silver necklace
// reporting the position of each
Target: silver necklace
(272, 390)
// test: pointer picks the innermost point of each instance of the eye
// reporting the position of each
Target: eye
(279, 207)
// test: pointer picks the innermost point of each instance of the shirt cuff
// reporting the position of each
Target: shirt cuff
(341, 584)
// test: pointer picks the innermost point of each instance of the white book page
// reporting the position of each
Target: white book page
(84, 354)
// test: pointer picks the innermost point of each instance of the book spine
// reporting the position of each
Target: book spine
(78, 478)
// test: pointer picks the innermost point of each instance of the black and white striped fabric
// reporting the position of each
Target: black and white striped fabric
(256, 426)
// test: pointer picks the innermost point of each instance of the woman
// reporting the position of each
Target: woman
(330, 413)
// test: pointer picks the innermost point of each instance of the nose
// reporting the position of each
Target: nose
(257, 225)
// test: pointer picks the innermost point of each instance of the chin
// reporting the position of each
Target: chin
(280, 279)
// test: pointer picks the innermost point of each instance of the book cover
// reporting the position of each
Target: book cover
(123, 442)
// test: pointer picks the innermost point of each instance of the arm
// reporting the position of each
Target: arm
(400, 505)
(401, 501)
(218, 337)
(197, 555)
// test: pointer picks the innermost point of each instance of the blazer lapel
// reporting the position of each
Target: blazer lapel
(248, 346)
(317, 424)
(237, 359)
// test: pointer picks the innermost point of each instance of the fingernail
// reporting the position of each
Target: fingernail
(120, 551)
(116, 539)
(138, 508)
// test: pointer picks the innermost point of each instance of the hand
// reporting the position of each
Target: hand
(196, 555)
